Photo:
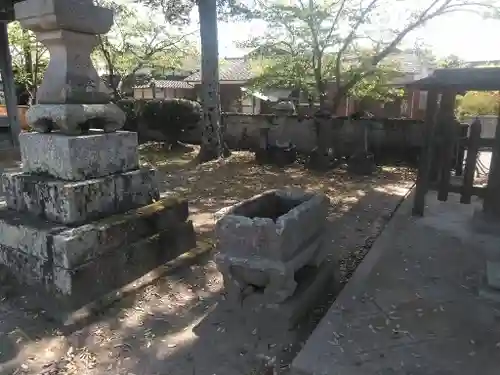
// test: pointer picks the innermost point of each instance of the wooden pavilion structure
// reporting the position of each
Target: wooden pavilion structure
(6, 16)
(444, 144)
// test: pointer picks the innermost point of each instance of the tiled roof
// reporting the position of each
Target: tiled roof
(487, 79)
(229, 70)
(167, 84)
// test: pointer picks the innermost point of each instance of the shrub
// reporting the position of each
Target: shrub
(132, 113)
(170, 117)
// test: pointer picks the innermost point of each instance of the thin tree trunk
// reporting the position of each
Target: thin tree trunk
(212, 144)
(28, 61)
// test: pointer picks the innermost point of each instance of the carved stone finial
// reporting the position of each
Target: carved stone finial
(70, 91)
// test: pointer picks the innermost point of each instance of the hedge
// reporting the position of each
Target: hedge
(170, 117)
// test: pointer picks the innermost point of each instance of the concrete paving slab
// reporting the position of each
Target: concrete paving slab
(414, 305)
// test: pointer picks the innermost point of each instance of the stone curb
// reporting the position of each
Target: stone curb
(357, 281)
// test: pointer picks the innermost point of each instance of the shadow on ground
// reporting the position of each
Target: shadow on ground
(175, 326)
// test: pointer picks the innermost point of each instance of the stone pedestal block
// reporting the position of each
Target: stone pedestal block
(80, 264)
(77, 158)
(78, 202)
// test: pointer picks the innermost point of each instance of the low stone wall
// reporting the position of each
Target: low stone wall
(242, 132)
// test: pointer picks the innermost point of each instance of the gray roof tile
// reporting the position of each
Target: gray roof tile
(164, 84)
(229, 70)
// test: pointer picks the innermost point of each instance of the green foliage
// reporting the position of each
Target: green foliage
(179, 11)
(321, 40)
(135, 42)
(29, 58)
(476, 103)
(451, 61)
(170, 117)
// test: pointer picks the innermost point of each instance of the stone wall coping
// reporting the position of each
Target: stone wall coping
(331, 117)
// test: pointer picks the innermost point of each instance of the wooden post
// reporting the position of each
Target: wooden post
(435, 160)
(491, 202)
(462, 137)
(423, 182)
(449, 132)
(470, 162)
(8, 84)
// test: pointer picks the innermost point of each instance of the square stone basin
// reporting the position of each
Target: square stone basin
(274, 225)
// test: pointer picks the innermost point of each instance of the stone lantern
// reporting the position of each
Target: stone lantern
(70, 97)
(83, 219)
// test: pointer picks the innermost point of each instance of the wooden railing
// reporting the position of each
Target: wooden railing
(445, 154)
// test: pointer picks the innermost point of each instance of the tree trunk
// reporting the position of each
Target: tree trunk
(212, 144)
(28, 62)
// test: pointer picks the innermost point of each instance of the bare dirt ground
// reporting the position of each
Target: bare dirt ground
(174, 326)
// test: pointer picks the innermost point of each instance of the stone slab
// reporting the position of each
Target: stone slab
(70, 247)
(315, 285)
(76, 158)
(75, 203)
(26, 233)
(77, 15)
(61, 291)
(123, 265)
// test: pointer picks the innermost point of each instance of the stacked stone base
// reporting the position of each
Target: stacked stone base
(74, 241)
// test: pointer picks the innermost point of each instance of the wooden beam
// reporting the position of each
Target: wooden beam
(491, 202)
(470, 162)
(447, 119)
(423, 182)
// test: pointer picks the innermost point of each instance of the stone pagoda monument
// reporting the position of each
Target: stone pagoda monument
(82, 218)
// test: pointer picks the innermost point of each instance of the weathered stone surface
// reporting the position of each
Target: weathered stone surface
(275, 278)
(75, 246)
(100, 275)
(27, 269)
(26, 234)
(68, 29)
(76, 15)
(79, 157)
(70, 247)
(136, 188)
(75, 119)
(123, 265)
(314, 284)
(79, 202)
(265, 240)
(273, 225)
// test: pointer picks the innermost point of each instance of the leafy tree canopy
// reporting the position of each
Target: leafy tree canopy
(476, 103)
(342, 41)
(137, 42)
